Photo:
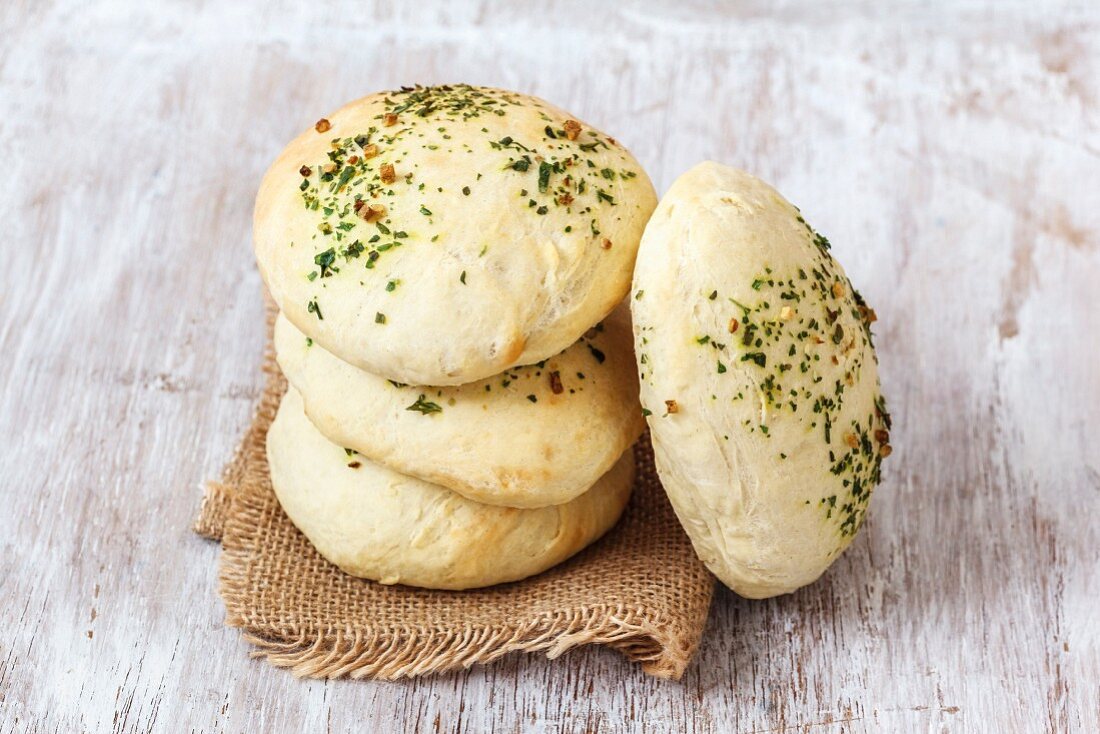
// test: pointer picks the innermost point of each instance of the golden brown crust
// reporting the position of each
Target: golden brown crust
(524, 438)
(491, 225)
(375, 523)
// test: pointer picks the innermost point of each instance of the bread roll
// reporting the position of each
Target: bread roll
(375, 523)
(441, 235)
(760, 380)
(533, 436)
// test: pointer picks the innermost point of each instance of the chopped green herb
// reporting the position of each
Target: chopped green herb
(354, 250)
(838, 334)
(544, 176)
(759, 358)
(424, 406)
(325, 260)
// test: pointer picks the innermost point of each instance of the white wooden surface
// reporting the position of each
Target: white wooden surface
(951, 153)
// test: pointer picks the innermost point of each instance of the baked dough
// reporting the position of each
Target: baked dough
(375, 523)
(533, 436)
(441, 235)
(760, 380)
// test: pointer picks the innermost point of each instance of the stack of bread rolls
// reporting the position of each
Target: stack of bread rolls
(451, 265)
(448, 262)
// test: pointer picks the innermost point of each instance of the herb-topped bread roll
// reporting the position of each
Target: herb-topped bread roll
(530, 437)
(759, 380)
(375, 523)
(440, 235)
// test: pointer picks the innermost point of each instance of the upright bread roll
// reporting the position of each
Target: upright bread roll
(530, 437)
(441, 235)
(375, 523)
(759, 379)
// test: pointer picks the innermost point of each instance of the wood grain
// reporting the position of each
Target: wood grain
(951, 152)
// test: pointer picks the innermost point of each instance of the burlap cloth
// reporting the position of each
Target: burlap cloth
(639, 590)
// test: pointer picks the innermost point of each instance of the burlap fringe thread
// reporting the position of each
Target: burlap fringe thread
(662, 640)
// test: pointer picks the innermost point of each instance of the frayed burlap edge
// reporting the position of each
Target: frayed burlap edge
(391, 654)
(215, 506)
(390, 657)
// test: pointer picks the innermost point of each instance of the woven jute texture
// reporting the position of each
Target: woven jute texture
(640, 590)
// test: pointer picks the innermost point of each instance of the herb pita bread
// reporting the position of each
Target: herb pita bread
(441, 235)
(761, 381)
